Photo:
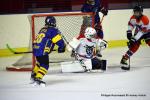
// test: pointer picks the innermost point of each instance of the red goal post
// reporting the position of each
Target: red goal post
(69, 23)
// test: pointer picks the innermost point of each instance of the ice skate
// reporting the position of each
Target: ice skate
(39, 82)
(124, 65)
(32, 77)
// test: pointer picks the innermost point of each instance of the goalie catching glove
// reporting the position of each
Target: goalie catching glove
(104, 11)
(101, 44)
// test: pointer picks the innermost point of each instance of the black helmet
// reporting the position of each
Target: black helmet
(50, 21)
(138, 8)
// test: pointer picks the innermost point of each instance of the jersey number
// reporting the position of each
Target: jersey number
(39, 38)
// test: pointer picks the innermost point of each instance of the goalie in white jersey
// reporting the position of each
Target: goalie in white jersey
(89, 48)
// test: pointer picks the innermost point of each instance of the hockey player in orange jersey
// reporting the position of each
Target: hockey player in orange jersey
(141, 24)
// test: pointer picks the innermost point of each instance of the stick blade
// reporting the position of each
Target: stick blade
(10, 49)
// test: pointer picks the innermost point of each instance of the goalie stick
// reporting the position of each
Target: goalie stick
(76, 55)
(18, 52)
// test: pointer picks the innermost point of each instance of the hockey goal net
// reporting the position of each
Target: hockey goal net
(71, 24)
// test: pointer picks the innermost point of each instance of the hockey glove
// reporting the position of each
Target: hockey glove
(61, 50)
(104, 11)
(129, 34)
(103, 44)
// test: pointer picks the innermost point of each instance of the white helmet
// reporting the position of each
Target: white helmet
(89, 32)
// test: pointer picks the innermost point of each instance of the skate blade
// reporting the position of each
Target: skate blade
(34, 84)
(124, 67)
(42, 85)
(31, 81)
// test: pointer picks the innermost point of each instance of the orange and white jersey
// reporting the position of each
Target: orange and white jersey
(142, 25)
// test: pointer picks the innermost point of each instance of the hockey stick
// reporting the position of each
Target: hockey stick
(128, 44)
(102, 19)
(76, 55)
(18, 52)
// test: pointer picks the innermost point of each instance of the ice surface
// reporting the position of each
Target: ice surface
(131, 85)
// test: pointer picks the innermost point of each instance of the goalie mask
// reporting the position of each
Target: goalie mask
(90, 33)
(50, 21)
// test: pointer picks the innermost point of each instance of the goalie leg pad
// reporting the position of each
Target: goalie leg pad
(72, 66)
(75, 66)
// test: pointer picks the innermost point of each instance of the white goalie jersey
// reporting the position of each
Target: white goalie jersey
(86, 48)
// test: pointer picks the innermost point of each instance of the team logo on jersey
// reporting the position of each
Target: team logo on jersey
(89, 50)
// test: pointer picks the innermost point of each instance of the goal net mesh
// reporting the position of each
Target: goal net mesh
(70, 26)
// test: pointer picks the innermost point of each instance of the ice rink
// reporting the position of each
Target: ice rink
(114, 84)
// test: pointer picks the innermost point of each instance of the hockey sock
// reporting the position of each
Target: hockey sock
(128, 54)
(132, 50)
(36, 68)
(134, 47)
(41, 72)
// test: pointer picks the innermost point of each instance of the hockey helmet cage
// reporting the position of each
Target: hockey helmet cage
(89, 33)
